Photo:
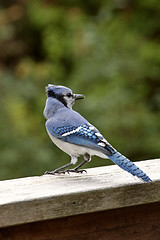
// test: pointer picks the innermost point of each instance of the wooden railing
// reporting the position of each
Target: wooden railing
(104, 203)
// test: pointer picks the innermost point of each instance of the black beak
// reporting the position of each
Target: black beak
(79, 96)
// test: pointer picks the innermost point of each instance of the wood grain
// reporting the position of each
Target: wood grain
(48, 197)
(131, 223)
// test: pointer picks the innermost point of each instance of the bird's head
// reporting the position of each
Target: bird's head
(63, 94)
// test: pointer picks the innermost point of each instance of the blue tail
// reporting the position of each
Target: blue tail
(129, 166)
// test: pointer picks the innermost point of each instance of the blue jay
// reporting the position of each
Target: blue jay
(73, 134)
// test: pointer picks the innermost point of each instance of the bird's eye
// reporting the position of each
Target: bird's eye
(69, 95)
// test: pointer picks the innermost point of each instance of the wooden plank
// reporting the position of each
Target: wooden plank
(133, 223)
(46, 197)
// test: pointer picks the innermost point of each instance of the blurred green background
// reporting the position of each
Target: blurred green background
(107, 50)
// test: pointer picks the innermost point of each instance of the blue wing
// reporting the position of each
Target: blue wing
(85, 135)
(89, 137)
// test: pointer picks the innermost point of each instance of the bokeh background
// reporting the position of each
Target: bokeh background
(107, 50)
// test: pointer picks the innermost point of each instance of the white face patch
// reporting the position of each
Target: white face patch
(69, 101)
(71, 132)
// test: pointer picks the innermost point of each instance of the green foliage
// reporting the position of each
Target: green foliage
(107, 50)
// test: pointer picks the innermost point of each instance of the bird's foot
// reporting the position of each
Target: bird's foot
(65, 171)
(53, 172)
(75, 170)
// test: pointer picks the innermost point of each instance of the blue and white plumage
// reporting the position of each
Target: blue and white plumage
(73, 134)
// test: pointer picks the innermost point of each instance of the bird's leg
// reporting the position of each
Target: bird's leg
(74, 159)
(87, 158)
(58, 170)
(76, 170)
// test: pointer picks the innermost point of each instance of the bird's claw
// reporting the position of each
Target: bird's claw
(54, 172)
(65, 171)
(76, 170)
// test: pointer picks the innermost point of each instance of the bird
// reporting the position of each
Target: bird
(74, 135)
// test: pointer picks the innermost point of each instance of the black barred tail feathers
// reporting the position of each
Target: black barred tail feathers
(129, 166)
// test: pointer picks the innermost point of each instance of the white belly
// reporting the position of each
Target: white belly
(74, 150)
